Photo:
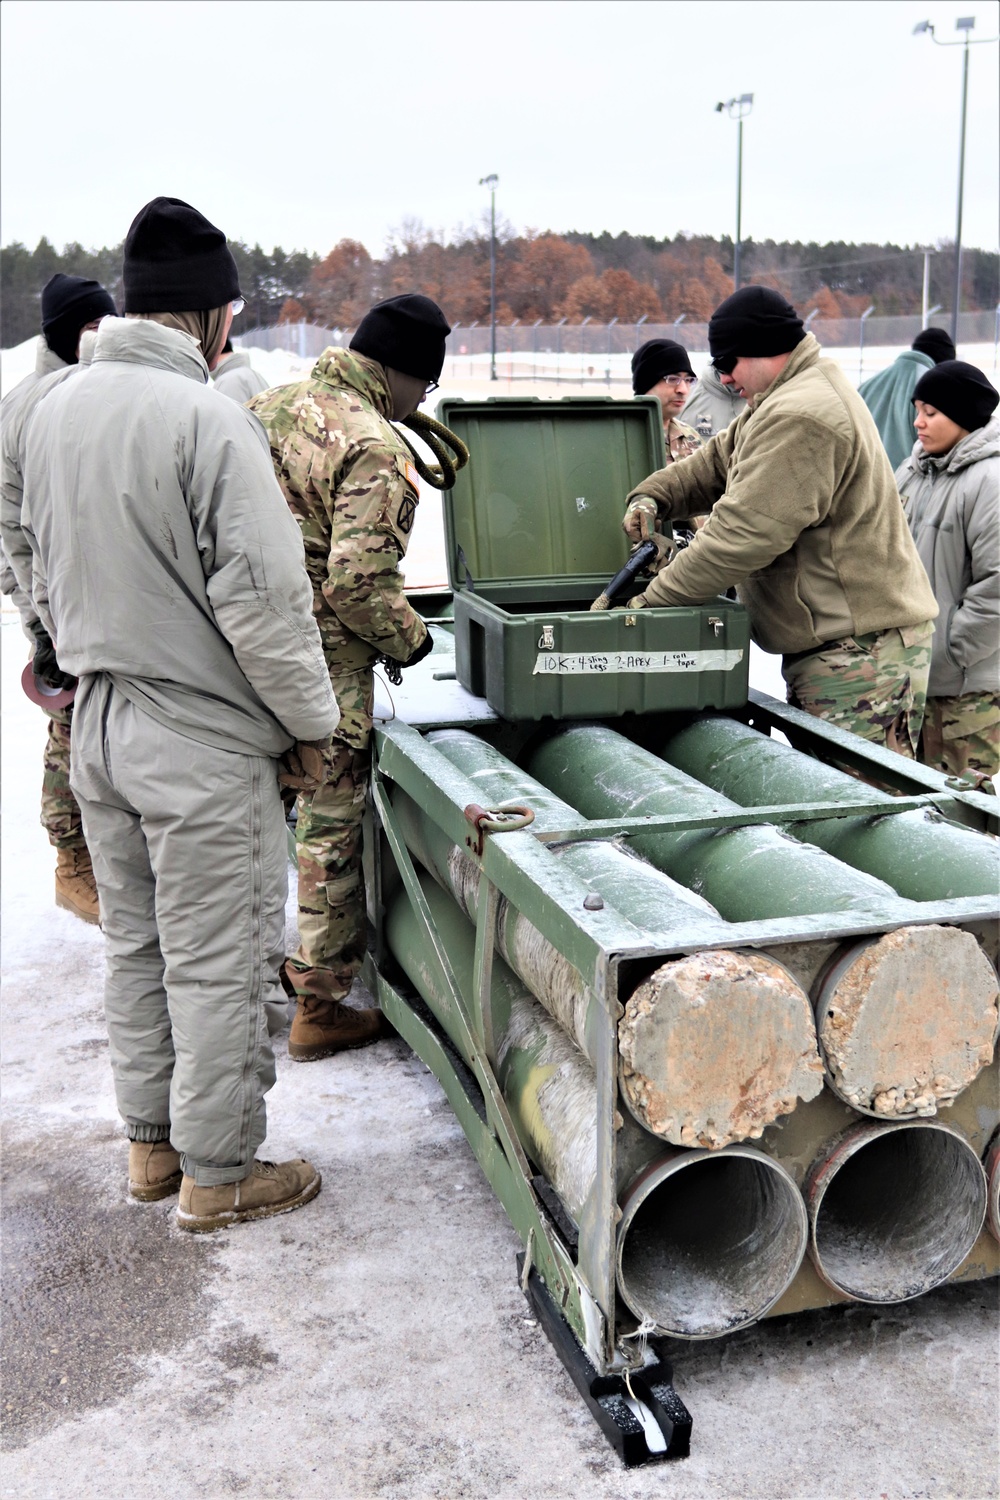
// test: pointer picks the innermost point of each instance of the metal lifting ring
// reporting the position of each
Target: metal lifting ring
(505, 819)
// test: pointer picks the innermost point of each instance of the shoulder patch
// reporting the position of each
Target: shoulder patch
(405, 514)
(412, 477)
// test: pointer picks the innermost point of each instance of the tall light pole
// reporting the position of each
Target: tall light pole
(964, 24)
(491, 182)
(737, 109)
(925, 293)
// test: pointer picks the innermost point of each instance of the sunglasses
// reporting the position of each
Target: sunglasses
(725, 363)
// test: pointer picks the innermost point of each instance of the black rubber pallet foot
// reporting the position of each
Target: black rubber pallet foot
(607, 1395)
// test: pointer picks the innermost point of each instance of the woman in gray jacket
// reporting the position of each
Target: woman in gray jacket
(950, 486)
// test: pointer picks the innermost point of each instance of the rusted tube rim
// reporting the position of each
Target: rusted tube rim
(991, 1164)
(874, 1240)
(731, 1234)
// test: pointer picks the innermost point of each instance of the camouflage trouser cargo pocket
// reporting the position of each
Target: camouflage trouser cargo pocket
(962, 734)
(60, 815)
(874, 685)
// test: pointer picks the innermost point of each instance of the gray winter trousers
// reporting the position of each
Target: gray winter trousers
(189, 851)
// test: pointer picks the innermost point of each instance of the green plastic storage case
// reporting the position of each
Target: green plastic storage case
(533, 532)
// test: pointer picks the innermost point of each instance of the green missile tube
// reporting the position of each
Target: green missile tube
(919, 854)
(707, 1241)
(681, 1075)
(746, 873)
(549, 1087)
(647, 896)
(905, 1020)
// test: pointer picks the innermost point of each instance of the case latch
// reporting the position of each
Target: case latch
(547, 639)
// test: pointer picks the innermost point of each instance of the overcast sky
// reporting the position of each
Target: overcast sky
(303, 123)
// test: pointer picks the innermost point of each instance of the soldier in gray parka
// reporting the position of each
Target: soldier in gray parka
(950, 486)
(172, 580)
(235, 376)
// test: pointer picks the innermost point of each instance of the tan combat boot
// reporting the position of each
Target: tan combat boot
(76, 888)
(323, 1027)
(154, 1170)
(271, 1188)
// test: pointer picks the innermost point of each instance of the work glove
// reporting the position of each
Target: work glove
(640, 519)
(303, 766)
(44, 664)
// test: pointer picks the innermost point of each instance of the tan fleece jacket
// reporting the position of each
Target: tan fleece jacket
(805, 516)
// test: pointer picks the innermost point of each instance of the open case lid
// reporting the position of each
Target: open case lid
(544, 492)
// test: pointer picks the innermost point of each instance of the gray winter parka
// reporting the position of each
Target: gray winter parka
(952, 504)
(15, 409)
(236, 378)
(711, 406)
(164, 553)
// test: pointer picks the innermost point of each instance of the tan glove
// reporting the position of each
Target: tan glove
(302, 768)
(640, 519)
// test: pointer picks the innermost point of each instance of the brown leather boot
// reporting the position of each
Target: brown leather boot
(270, 1188)
(76, 888)
(154, 1170)
(323, 1027)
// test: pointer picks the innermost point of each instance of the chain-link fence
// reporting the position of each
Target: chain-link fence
(600, 352)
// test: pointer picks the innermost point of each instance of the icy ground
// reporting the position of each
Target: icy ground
(375, 1344)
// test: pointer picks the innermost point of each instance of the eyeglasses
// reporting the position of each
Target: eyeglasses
(237, 304)
(673, 381)
(432, 385)
(725, 363)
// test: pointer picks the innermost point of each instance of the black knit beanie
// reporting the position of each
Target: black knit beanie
(656, 358)
(69, 303)
(935, 343)
(176, 261)
(960, 391)
(405, 332)
(753, 323)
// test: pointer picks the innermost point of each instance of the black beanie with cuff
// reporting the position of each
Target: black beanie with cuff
(406, 333)
(960, 391)
(753, 323)
(69, 303)
(656, 358)
(176, 261)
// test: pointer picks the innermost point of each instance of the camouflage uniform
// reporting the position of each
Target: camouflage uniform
(962, 734)
(680, 440)
(60, 809)
(874, 685)
(350, 482)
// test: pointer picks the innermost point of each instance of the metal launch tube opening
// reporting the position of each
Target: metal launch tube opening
(709, 1240)
(895, 1209)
